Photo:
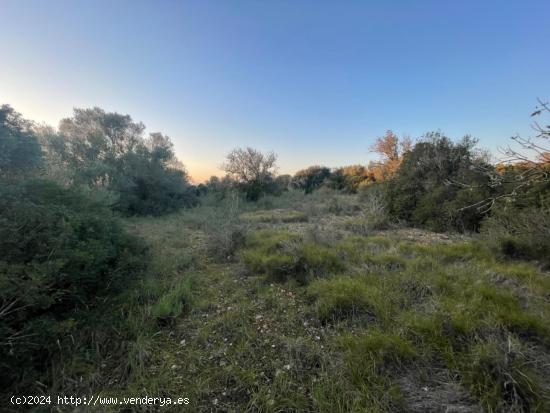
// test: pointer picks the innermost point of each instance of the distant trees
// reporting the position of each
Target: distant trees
(283, 183)
(310, 178)
(350, 178)
(108, 150)
(252, 170)
(392, 149)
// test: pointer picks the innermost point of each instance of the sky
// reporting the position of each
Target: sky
(314, 81)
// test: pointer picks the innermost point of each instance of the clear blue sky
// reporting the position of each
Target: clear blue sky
(315, 81)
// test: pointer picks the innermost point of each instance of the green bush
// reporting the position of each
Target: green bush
(344, 296)
(19, 148)
(281, 254)
(498, 374)
(519, 233)
(274, 216)
(436, 182)
(109, 150)
(310, 178)
(62, 254)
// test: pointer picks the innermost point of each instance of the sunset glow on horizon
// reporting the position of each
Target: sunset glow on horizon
(316, 83)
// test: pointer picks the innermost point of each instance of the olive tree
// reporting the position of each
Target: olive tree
(252, 170)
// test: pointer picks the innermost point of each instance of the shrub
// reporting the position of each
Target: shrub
(435, 183)
(19, 148)
(350, 178)
(344, 296)
(274, 216)
(177, 300)
(498, 375)
(281, 254)
(225, 231)
(149, 185)
(311, 178)
(252, 171)
(62, 254)
(109, 150)
(519, 233)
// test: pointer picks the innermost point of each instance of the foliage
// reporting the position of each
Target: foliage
(108, 150)
(149, 184)
(281, 255)
(62, 254)
(392, 149)
(19, 147)
(310, 178)
(522, 233)
(252, 170)
(282, 183)
(436, 183)
(350, 178)
(274, 215)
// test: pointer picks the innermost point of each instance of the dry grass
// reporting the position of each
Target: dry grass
(402, 320)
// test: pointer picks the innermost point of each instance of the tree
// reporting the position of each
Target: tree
(283, 183)
(424, 190)
(525, 169)
(252, 170)
(350, 178)
(95, 141)
(19, 148)
(152, 180)
(109, 150)
(391, 149)
(310, 178)
(519, 207)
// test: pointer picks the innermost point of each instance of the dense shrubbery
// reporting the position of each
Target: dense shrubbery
(148, 183)
(436, 182)
(108, 150)
(310, 178)
(350, 178)
(62, 253)
(251, 172)
(282, 255)
(19, 148)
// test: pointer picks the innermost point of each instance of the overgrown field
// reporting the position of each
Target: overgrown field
(317, 304)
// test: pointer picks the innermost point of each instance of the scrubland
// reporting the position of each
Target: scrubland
(326, 291)
(312, 303)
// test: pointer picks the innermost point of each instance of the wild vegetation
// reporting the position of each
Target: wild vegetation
(417, 283)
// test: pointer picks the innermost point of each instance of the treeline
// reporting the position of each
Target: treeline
(434, 183)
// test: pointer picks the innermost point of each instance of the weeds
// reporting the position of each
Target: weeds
(308, 317)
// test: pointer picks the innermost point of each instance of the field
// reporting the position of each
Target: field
(314, 304)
